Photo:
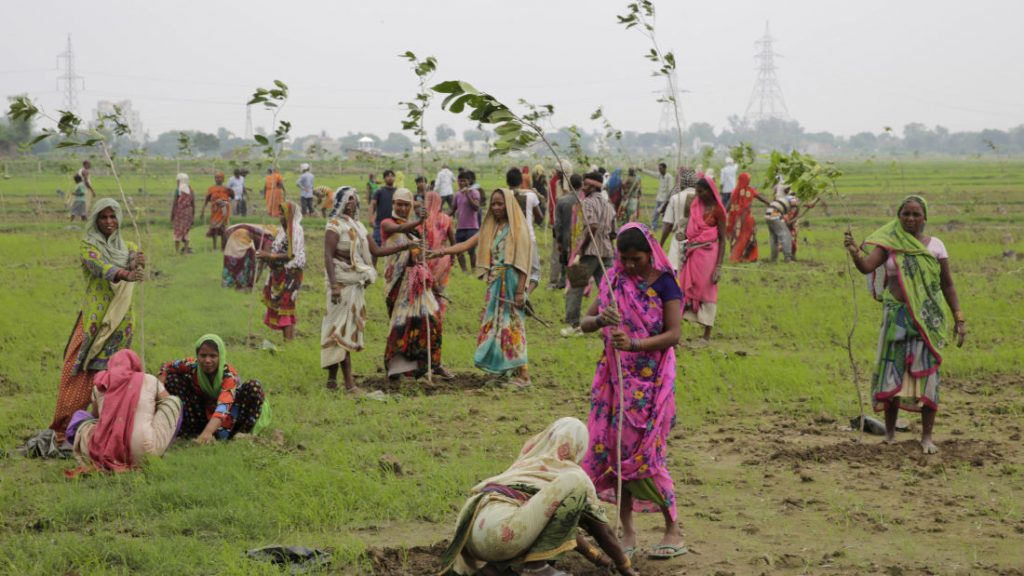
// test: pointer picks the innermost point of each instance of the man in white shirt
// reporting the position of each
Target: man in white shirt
(665, 183)
(237, 185)
(305, 184)
(728, 180)
(530, 204)
(675, 219)
(443, 183)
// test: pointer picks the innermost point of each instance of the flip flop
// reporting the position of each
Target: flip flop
(629, 551)
(666, 551)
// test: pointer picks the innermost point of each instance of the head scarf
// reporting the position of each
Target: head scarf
(658, 258)
(303, 167)
(401, 194)
(517, 246)
(218, 174)
(729, 160)
(112, 248)
(559, 448)
(743, 182)
(538, 170)
(918, 273)
(211, 386)
(293, 229)
(697, 230)
(121, 385)
(914, 198)
(341, 199)
(183, 187)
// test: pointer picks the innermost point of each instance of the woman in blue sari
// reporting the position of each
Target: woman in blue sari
(503, 260)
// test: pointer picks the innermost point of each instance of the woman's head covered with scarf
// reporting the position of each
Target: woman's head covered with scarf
(517, 245)
(341, 199)
(112, 248)
(292, 216)
(211, 385)
(914, 198)
(183, 186)
(401, 195)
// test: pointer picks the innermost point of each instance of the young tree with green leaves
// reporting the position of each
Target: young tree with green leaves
(417, 108)
(273, 99)
(641, 16)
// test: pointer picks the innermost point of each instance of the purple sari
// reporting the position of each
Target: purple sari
(649, 395)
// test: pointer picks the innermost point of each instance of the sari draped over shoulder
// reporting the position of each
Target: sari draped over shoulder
(105, 323)
(437, 225)
(412, 305)
(648, 383)
(282, 288)
(531, 511)
(700, 294)
(913, 332)
(503, 254)
(342, 329)
(742, 226)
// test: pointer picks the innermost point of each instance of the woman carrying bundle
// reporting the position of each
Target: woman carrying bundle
(911, 276)
(641, 333)
(286, 258)
(504, 261)
(530, 514)
(133, 417)
(105, 323)
(348, 264)
(215, 405)
(415, 336)
(704, 251)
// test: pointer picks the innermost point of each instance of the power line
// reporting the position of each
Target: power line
(69, 81)
(766, 99)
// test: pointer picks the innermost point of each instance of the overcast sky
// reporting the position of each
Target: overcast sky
(846, 66)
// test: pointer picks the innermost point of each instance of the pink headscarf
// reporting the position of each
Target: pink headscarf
(696, 229)
(121, 384)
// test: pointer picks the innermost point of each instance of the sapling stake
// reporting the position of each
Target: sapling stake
(22, 108)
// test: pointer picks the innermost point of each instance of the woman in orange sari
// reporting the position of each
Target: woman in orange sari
(741, 228)
(273, 191)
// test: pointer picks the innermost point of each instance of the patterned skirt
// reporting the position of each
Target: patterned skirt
(279, 296)
(245, 411)
(906, 370)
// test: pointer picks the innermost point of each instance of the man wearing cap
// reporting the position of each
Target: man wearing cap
(305, 184)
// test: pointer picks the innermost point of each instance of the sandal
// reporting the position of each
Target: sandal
(666, 551)
(443, 373)
(332, 383)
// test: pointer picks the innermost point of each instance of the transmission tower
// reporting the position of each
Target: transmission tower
(248, 122)
(69, 81)
(766, 98)
(667, 123)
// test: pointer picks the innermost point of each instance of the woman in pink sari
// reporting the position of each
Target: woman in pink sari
(705, 248)
(640, 327)
(439, 230)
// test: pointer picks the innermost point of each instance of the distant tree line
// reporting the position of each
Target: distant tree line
(914, 138)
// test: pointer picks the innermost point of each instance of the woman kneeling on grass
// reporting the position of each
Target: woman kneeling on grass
(133, 417)
(504, 261)
(909, 270)
(214, 404)
(642, 332)
(348, 264)
(529, 514)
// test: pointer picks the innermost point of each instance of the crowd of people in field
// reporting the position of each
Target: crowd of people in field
(113, 414)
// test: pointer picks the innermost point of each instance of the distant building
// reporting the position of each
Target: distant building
(129, 115)
(366, 144)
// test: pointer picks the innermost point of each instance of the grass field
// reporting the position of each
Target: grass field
(768, 478)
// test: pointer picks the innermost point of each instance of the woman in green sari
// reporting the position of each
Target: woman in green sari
(529, 514)
(910, 275)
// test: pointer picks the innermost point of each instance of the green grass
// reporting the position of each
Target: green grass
(196, 510)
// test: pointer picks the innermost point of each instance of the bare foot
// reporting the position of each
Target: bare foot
(353, 390)
(929, 447)
(889, 438)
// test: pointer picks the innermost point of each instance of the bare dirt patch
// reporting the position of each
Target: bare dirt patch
(411, 386)
(896, 456)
